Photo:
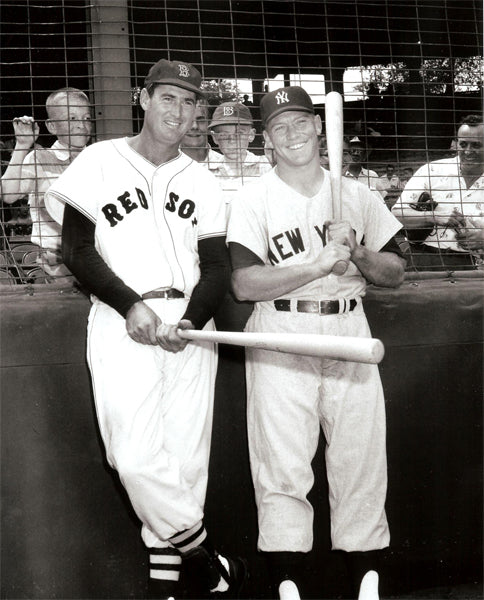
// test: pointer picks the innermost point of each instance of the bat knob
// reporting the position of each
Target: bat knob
(340, 267)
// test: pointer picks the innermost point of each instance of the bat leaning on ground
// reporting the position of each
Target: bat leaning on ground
(353, 349)
(334, 142)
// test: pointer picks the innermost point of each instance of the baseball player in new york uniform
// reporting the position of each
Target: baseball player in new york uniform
(283, 247)
(144, 230)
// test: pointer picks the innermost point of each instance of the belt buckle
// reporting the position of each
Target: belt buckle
(308, 306)
(328, 307)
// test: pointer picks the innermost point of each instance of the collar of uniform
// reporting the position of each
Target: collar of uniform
(214, 159)
(61, 151)
(250, 159)
(143, 165)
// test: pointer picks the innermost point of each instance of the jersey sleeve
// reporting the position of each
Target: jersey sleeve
(213, 218)
(31, 170)
(246, 221)
(379, 225)
(78, 184)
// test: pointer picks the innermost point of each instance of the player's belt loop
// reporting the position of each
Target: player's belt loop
(170, 294)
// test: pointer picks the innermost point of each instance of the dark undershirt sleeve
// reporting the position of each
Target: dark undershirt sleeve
(392, 246)
(214, 281)
(84, 261)
(241, 257)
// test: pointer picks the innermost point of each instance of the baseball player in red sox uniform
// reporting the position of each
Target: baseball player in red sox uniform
(283, 247)
(144, 230)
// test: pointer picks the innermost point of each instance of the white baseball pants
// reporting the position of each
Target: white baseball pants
(154, 410)
(289, 398)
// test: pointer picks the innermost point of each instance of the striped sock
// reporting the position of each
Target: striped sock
(165, 565)
(187, 540)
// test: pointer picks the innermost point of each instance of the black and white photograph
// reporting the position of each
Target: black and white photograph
(242, 299)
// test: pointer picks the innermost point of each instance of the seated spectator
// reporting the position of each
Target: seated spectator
(442, 205)
(32, 172)
(392, 185)
(405, 176)
(359, 155)
(195, 142)
(324, 158)
(232, 129)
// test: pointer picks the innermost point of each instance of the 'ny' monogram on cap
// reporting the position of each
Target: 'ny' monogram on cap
(228, 111)
(282, 97)
(183, 71)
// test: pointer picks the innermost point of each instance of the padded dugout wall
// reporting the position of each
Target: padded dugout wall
(68, 532)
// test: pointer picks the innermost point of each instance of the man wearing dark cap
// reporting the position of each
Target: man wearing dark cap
(144, 232)
(284, 246)
(359, 154)
(232, 129)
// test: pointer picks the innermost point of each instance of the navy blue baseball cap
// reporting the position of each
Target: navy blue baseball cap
(231, 113)
(175, 72)
(292, 97)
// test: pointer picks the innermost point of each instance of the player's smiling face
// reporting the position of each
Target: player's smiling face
(294, 137)
(169, 112)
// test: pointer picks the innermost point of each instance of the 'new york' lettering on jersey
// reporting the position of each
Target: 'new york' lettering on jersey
(285, 228)
(148, 218)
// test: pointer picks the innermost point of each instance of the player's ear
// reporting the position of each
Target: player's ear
(214, 136)
(267, 140)
(144, 98)
(318, 124)
(251, 135)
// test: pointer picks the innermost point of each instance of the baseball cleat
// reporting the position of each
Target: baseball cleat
(221, 575)
(288, 590)
(369, 587)
(235, 578)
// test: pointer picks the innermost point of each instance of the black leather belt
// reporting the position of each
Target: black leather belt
(321, 307)
(169, 294)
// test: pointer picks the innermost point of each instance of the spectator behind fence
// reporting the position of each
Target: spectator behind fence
(406, 174)
(442, 205)
(324, 158)
(32, 172)
(233, 168)
(232, 129)
(144, 232)
(391, 185)
(359, 154)
(195, 142)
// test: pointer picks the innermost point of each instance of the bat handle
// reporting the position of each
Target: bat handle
(339, 268)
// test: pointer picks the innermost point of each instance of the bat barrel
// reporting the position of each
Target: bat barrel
(365, 350)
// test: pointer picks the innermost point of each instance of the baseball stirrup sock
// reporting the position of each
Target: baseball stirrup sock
(187, 540)
(165, 564)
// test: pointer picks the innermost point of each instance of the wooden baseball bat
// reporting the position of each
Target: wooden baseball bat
(334, 140)
(354, 349)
